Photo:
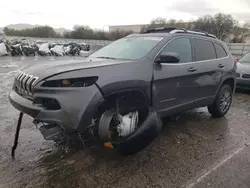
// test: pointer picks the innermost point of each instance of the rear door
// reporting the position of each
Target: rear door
(174, 83)
(210, 67)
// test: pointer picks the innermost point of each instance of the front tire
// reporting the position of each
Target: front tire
(143, 136)
(222, 102)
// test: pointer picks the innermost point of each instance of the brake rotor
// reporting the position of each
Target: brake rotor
(104, 125)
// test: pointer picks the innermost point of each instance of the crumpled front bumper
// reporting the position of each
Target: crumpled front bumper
(77, 106)
(23, 105)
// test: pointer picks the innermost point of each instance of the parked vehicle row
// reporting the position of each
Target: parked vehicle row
(18, 48)
(243, 72)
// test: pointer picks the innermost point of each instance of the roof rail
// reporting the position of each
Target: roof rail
(180, 30)
(160, 30)
(203, 33)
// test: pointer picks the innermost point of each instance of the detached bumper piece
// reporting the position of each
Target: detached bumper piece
(51, 131)
(17, 135)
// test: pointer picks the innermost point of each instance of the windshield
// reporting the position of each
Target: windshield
(245, 58)
(128, 48)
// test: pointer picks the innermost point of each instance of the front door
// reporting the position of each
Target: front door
(174, 83)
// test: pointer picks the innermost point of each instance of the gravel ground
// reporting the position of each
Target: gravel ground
(194, 151)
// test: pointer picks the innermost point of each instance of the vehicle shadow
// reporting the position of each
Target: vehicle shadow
(194, 136)
(243, 91)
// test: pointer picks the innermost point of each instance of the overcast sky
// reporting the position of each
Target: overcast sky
(100, 13)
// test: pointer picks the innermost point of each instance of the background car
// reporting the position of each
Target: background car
(243, 72)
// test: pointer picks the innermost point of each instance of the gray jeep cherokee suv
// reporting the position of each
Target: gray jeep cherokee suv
(119, 93)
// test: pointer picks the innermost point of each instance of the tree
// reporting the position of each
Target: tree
(82, 32)
(157, 22)
(67, 34)
(220, 25)
(205, 23)
(224, 25)
(162, 22)
(239, 34)
(42, 31)
(114, 35)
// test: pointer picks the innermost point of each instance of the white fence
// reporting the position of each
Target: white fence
(238, 49)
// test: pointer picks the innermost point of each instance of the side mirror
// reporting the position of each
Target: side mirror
(169, 57)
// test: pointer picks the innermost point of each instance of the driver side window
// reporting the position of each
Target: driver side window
(181, 46)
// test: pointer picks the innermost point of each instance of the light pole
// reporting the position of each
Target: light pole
(103, 28)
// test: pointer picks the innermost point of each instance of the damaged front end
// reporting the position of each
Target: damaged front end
(69, 108)
(57, 111)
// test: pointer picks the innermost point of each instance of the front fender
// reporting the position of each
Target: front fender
(130, 85)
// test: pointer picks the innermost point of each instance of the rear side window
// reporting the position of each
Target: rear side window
(220, 50)
(204, 50)
(181, 46)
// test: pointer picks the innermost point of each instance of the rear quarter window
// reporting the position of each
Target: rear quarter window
(204, 50)
(221, 52)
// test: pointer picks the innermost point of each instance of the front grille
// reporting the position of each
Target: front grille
(24, 84)
(246, 76)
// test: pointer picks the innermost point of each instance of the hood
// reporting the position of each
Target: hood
(49, 68)
(243, 68)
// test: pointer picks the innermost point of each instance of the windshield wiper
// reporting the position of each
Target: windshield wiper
(103, 57)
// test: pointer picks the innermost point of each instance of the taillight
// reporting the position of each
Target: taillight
(236, 60)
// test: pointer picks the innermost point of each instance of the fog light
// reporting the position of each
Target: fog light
(51, 104)
(47, 103)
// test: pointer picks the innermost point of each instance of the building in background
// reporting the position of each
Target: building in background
(134, 28)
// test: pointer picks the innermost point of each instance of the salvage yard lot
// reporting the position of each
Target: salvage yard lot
(193, 151)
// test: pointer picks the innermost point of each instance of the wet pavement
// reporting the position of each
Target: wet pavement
(194, 151)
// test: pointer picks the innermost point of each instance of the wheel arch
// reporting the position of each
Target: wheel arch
(229, 81)
(133, 98)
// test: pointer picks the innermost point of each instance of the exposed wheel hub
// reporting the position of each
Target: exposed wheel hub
(128, 123)
(123, 125)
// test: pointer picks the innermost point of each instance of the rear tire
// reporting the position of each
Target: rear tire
(222, 102)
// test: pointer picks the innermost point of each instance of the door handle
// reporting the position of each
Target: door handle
(192, 69)
(220, 65)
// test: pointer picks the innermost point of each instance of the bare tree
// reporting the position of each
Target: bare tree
(162, 22)
(220, 25)
(205, 23)
(240, 34)
(224, 25)
(157, 22)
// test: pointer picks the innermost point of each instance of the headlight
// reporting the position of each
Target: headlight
(71, 82)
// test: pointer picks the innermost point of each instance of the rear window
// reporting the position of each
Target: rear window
(204, 50)
(220, 50)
